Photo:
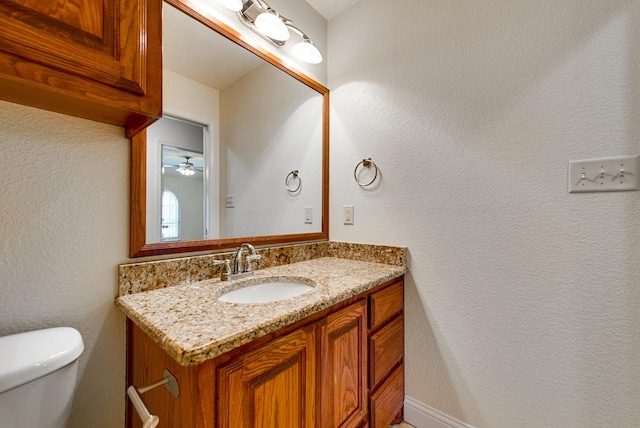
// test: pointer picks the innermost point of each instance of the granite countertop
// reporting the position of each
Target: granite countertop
(192, 326)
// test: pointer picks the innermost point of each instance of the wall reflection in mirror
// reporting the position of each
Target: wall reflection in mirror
(239, 126)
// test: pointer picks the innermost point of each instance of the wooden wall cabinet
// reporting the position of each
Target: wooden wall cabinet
(339, 368)
(96, 59)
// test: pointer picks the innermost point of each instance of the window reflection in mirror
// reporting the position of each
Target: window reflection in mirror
(170, 217)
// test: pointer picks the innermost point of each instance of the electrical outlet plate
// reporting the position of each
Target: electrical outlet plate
(604, 175)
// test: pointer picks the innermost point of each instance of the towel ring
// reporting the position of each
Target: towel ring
(366, 163)
(294, 175)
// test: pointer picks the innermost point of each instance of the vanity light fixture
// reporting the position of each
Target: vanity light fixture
(268, 23)
(305, 50)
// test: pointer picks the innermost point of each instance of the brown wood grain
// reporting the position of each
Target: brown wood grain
(386, 402)
(385, 304)
(343, 368)
(386, 349)
(386, 353)
(79, 15)
(138, 192)
(96, 59)
(272, 386)
(149, 364)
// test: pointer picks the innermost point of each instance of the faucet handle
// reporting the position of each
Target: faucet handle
(249, 259)
(225, 274)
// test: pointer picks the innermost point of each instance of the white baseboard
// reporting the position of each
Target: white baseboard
(422, 416)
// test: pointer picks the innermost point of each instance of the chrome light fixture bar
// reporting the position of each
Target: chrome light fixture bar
(273, 27)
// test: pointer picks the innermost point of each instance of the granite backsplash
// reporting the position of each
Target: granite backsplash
(145, 276)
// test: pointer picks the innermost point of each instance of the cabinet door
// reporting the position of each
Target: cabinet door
(343, 367)
(273, 386)
(78, 56)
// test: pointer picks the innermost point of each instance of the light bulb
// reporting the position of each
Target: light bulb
(270, 24)
(308, 52)
(185, 170)
(234, 5)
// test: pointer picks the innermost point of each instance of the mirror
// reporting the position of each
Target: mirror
(241, 154)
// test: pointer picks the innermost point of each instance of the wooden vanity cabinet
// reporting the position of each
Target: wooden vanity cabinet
(339, 368)
(343, 370)
(271, 386)
(386, 355)
(96, 59)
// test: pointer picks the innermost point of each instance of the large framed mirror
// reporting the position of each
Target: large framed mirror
(242, 152)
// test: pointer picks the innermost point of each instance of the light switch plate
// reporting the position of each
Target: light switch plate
(604, 175)
(308, 215)
(348, 214)
(228, 201)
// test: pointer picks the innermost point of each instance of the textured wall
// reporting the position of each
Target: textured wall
(63, 229)
(523, 300)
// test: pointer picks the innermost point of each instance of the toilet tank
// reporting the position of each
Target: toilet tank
(37, 377)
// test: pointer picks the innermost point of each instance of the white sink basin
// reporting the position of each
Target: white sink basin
(265, 291)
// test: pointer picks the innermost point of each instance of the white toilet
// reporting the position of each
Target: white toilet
(38, 376)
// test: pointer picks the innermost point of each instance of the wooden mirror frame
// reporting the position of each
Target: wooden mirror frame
(138, 247)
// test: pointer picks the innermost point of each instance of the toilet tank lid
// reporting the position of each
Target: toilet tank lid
(28, 356)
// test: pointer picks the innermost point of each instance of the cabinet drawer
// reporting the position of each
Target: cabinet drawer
(386, 402)
(385, 303)
(386, 349)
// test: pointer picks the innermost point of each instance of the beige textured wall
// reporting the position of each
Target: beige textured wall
(523, 300)
(64, 228)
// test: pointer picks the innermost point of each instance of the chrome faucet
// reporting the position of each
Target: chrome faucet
(247, 270)
(227, 273)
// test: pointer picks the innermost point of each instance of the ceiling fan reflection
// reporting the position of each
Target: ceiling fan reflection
(185, 168)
